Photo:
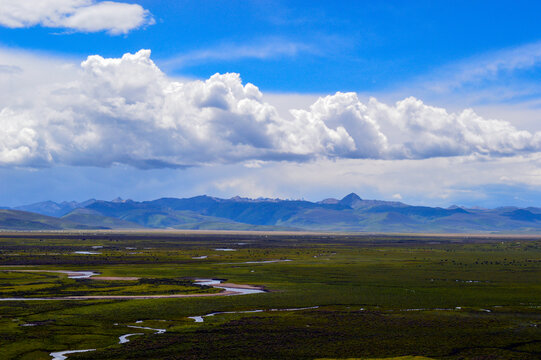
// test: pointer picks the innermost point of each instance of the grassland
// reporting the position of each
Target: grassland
(445, 297)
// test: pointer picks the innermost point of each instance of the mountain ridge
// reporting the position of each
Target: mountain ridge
(351, 213)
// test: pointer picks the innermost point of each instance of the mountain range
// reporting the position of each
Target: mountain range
(350, 213)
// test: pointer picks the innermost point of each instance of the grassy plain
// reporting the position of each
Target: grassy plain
(439, 297)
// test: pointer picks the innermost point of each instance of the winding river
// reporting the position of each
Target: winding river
(229, 290)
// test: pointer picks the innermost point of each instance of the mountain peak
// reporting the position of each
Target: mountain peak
(329, 201)
(351, 196)
(351, 200)
(120, 200)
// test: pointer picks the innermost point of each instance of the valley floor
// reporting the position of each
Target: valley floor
(328, 296)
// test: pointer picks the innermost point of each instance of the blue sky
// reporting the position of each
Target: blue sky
(313, 46)
(449, 90)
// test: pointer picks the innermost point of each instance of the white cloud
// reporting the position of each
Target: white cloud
(487, 66)
(127, 111)
(77, 15)
(441, 181)
(422, 131)
(268, 48)
(502, 77)
(341, 124)
(9, 69)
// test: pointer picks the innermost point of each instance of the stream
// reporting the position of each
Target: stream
(62, 355)
(230, 289)
(199, 318)
(236, 290)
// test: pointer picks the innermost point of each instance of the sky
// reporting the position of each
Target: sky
(425, 102)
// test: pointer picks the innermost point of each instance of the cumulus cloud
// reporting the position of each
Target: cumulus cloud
(341, 123)
(127, 111)
(426, 131)
(77, 15)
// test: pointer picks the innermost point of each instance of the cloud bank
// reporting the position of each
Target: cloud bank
(77, 15)
(127, 111)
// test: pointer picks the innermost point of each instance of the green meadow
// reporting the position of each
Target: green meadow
(328, 296)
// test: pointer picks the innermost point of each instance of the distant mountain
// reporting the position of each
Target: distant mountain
(94, 219)
(351, 213)
(422, 211)
(355, 202)
(22, 220)
(51, 208)
(534, 210)
(523, 215)
(329, 201)
(352, 200)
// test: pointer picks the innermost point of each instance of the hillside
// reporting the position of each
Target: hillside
(23, 220)
(93, 219)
